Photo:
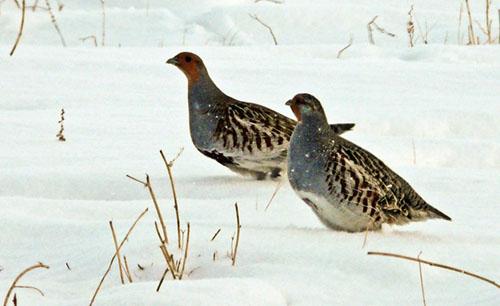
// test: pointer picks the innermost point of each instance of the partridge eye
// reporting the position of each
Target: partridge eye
(188, 59)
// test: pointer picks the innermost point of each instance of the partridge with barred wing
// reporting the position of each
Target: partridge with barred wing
(247, 138)
(346, 186)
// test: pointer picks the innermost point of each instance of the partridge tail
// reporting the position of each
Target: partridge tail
(434, 213)
(340, 128)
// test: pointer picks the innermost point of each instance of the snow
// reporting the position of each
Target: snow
(125, 104)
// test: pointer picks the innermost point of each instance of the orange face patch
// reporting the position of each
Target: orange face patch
(190, 70)
(296, 111)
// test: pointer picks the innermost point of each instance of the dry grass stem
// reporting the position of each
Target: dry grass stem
(137, 180)
(343, 49)
(127, 270)
(169, 166)
(186, 251)
(470, 29)
(162, 279)
(169, 260)
(424, 35)
(256, 18)
(410, 28)
(215, 235)
(114, 256)
(378, 28)
(54, 22)
(437, 265)
(21, 27)
(238, 227)
(60, 134)
(103, 24)
(67, 266)
(120, 267)
(32, 288)
(18, 277)
(421, 278)
(273, 195)
(158, 211)
(459, 36)
(91, 38)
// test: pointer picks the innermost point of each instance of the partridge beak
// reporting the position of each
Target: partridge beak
(173, 61)
(289, 102)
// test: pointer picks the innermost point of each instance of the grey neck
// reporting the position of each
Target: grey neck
(203, 93)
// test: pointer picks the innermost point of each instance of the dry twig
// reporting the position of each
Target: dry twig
(273, 195)
(164, 238)
(169, 166)
(103, 25)
(21, 27)
(437, 265)
(238, 227)
(18, 277)
(31, 287)
(127, 270)
(114, 256)
(91, 37)
(256, 18)
(343, 49)
(137, 180)
(215, 235)
(186, 250)
(410, 27)
(162, 279)
(120, 267)
(421, 278)
(472, 36)
(54, 22)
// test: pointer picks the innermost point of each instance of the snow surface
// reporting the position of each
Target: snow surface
(124, 104)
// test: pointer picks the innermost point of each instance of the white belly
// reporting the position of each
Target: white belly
(338, 216)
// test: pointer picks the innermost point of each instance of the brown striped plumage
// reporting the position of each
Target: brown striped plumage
(248, 138)
(346, 186)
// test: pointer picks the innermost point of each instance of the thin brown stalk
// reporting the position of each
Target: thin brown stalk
(21, 27)
(158, 211)
(459, 36)
(169, 166)
(488, 21)
(114, 256)
(91, 37)
(67, 266)
(256, 18)
(437, 265)
(273, 195)
(343, 49)
(120, 267)
(215, 235)
(168, 259)
(103, 24)
(421, 278)
(410, 28)
(54, 22)
(238, 227)
(472, 37)
(18, 277)
(32, 288)
(127, 270)
(162, 279)
(17, 4)
(137, 180)
(186, 250)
